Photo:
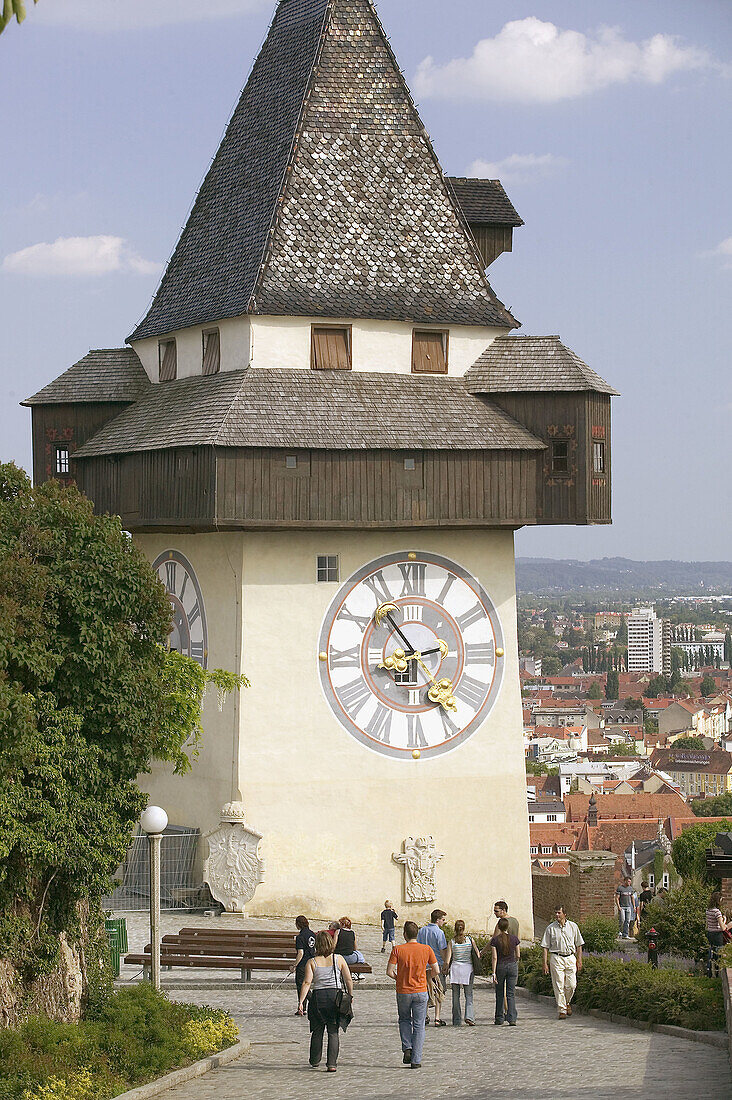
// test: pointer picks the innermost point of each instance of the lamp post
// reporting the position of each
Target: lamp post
(153, 822)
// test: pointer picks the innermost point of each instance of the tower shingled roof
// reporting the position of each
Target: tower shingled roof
(325, 197)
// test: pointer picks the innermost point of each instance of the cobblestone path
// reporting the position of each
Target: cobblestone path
(540, 1059)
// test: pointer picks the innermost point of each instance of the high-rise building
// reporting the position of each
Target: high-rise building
(649, 642)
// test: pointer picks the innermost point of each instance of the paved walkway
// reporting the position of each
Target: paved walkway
(541, 1059)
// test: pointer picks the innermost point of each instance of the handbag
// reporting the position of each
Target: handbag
(475, 956)
(343, 999)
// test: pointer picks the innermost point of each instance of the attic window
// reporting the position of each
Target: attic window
(167, 361)
(429, 351)
(330, 348)
(560, 456)
(598, 457)
(61, 463)
(410, 464)
(291, 462)
(211, 352)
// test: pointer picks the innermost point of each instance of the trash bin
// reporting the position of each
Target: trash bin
(117, 935)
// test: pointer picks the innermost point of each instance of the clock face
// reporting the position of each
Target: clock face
(189, 634)
(410, 655)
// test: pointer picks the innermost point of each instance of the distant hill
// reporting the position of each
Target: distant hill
(621, 577)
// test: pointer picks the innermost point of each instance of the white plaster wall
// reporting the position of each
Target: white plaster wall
(235, 336)
(331, 810)
(384, 346)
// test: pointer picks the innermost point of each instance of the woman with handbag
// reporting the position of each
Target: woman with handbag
(716, 932)
(329, 982)
(463, 962)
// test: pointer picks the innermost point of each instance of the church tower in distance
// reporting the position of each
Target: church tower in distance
(323, 435)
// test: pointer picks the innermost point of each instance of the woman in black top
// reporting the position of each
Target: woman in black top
(345, 943)
(305, 947)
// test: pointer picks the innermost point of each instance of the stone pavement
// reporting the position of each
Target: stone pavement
(540, 1059)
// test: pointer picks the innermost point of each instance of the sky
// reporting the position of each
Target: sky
(608, 122)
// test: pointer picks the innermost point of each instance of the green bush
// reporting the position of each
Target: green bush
(689, 849)
(138, 1035)
(679, 919)
(599, 933)
(636, 990)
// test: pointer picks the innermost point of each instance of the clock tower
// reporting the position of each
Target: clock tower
(323, 435)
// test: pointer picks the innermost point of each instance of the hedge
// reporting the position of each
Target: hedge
(636, 990)
(137, 1036)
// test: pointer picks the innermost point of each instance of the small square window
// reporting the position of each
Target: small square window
(211, 352)
(61, 464)
(560, 456)
(429, 351)
(291, 462)
(531, 818)
(330, 348)
(167, 361)
(534, 850)
(598, 457)
(327, 568)
(410, 464)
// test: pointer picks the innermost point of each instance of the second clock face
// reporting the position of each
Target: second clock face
(408, 654)
(189, 634)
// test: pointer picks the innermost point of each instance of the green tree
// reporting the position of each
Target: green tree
(689, 849)
(679, 918)
(694, 743)
(595, 691)
(623, 748)
(719, 806)
(708, 686)
(551, 666)
(12, 8)
(656, 686)
(89, 696)
(612, 685)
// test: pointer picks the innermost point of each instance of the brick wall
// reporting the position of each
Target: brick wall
(588, 889)
(726, 905)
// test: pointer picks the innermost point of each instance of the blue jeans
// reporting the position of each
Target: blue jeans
(626, 919)
(412, 1009)
(506, 975)
(388, 934)
(355, 957)
(468, 991)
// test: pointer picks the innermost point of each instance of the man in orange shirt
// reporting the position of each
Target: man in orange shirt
(408, 967)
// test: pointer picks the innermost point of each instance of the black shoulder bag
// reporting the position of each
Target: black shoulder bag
(343, 999)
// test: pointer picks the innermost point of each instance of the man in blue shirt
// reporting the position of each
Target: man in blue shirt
(432, 935)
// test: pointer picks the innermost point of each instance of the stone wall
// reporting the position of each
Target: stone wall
(589, 889)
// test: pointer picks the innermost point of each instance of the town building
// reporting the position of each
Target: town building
(649, 642)
(696, 772)
(323, 436)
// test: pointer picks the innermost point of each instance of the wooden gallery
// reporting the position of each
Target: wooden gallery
(323, 435)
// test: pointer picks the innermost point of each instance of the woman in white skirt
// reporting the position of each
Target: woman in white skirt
(461, 954)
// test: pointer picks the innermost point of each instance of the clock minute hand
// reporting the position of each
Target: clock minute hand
(383, 611)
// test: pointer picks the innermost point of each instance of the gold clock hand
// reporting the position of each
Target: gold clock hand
(441, 690)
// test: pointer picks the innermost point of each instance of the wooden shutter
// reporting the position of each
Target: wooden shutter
(331, 348)
(168, 360)
(211, 352)
(429, 351)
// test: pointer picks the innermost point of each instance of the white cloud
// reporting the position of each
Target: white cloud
(100, 255)
(518, 168)
(723, 251)
(114, 15)
(530, 61)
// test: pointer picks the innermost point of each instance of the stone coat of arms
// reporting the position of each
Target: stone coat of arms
(233, 869)
(419, 858)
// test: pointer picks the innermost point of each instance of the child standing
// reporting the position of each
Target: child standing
(388, 920)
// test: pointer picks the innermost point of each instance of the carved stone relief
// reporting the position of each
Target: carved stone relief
(233, 869)
(419, 858)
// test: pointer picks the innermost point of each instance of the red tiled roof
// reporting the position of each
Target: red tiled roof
(610, 807)
(676, 825)
(559, 867)
(554, 833)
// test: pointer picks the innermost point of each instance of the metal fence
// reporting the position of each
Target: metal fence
(179, 887)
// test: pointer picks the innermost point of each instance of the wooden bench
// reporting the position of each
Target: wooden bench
(221, 948)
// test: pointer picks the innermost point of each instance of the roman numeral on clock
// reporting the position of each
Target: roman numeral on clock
(345, 658)
(414, 575)
(361, 621)
(479, 653)
(449, 727)
(470, 691)
(197, 651)
(469, 617)
(415, 733)
(194, 614)
(170, 571)
(354, 696)
(379, 587)
(379, 724)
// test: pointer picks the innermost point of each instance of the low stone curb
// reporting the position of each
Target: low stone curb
(711, 1038)
(188, 1073)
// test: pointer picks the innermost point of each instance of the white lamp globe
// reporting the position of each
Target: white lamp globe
(154, 820)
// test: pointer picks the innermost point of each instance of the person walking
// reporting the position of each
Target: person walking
(716, 928)
(644, 898)
(305, 949)
(500, 909)
(407, 966)
(433, 936)
(389, 917)
(345, 944)
(505, 955)
(461, 959)
(562, 944)
(626, 904)
(328, 976)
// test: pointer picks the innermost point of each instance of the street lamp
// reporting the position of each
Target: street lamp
(153, 822)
